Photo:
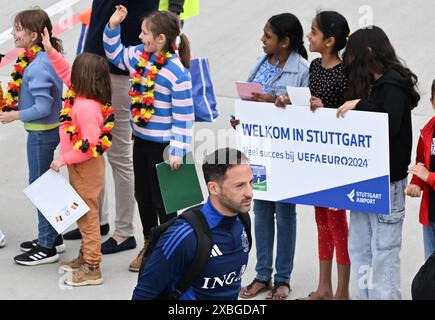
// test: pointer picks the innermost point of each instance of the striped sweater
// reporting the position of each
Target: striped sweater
(173, 118)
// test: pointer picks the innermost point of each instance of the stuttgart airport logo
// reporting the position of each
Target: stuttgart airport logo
(351, 195)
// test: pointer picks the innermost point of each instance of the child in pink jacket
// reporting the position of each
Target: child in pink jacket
(85, 133)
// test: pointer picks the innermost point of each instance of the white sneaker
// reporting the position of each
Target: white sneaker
(2, 240)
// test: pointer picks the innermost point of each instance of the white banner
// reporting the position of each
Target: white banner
(315, 158)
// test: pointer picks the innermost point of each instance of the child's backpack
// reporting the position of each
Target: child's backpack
(203, 250)
(423, 285)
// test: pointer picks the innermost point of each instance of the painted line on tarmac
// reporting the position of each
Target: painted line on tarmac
(58, 29)
(54, 9)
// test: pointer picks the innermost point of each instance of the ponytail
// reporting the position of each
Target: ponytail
(57, 44)
(302, 50)
(184, 50)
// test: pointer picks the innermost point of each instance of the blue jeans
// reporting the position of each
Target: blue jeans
(429, 240)
(374, 248)
(40, 151)
(265, 212)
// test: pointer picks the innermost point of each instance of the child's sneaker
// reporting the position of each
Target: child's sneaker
(86, 275)
(29, 245)
(2, 240)
(36, 256)
(74, 264)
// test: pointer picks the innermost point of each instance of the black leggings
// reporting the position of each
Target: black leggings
(146, 155)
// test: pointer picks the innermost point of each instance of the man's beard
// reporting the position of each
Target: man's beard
(233, 206)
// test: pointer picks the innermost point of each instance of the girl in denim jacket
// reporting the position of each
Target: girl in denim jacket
(283, 64)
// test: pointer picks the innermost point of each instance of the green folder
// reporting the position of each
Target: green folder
(180, 188)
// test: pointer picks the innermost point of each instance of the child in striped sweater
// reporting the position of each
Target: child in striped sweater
(161, 109)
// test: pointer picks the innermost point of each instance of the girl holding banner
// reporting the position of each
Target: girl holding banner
(379, 82)
(329, 32)
(283, 64)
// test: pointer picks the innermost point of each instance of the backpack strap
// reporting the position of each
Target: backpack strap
(246, 220)
(199, 223)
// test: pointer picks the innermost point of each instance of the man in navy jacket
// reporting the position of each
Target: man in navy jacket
(229, 182)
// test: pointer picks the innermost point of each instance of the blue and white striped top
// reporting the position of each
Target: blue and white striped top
(173, 115)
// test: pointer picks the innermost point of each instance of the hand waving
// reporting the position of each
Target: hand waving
(118, 16)
(46, 41)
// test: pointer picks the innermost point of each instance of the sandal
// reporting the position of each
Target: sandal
(314, 296)
(277, 294)
(246, 292)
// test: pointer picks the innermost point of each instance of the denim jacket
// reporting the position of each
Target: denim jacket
(295, 73)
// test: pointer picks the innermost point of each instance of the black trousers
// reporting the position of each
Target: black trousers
(146, 155)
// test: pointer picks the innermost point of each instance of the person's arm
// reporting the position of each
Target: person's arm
(40, 83)
(182, 117)
(172, 255)
(62, 67)
(90, 119)
(419, 159)
(125, 58)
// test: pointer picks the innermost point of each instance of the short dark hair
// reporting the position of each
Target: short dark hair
(217, 163)
(433, 89)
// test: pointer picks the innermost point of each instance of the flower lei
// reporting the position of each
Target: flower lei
(23, 61)
(75, 136)
(142, 103)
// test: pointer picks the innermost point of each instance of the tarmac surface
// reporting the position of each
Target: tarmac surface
(228, 33)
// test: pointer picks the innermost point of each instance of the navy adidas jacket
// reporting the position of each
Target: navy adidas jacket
(175, 251)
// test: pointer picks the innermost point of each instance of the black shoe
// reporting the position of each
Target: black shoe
(29, 245)
(37, 255)
(76, 235)
(110, 245)
(104, 229)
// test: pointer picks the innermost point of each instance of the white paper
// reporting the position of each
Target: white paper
(299, 96)
(57, 200)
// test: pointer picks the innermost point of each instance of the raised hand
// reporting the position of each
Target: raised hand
(46, 42)
(118, 16)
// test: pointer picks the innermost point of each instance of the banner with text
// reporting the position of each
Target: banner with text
(315, 158)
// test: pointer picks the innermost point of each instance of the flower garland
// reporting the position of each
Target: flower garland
(105, 141)
(142, 103)
(13, 91)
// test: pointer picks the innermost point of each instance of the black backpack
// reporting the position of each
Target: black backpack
(423, 284)
(203, 250)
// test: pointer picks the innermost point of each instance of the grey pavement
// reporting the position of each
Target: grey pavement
(228, 33)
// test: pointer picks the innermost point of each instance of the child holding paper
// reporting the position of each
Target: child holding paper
(34, 97)
(162, 107)
(329, 32)
(283, 64)
(379, 82)
(423, 180)
(85, 134)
